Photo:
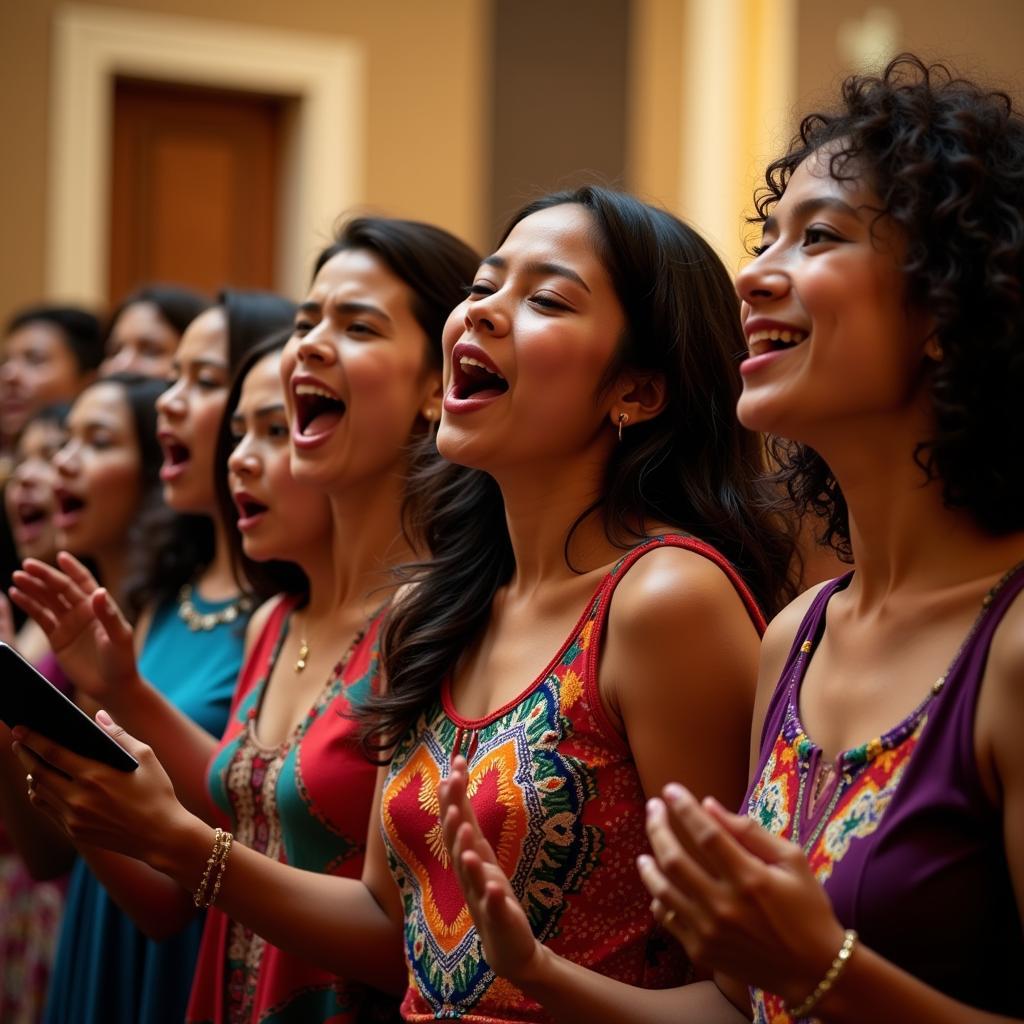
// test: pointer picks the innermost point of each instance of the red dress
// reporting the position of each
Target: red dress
(557, 793)
(305, 802)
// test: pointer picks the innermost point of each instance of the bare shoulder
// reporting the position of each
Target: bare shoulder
(673, 588)
(779, 635)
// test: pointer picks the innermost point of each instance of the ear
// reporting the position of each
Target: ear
(637, 398)
(433, 396)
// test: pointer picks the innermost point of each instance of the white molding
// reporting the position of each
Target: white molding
(91, 45)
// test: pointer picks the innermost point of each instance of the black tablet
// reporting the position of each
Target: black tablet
(30, 699)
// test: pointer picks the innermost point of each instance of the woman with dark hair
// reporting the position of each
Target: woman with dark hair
(147, 326)
(190, 639)
(561, 349)
(361, 378)
(881, 878)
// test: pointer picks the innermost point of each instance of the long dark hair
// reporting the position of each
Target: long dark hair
(692, 466)
(946, 158)
(170, 548)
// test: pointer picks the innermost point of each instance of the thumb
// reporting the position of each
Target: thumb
(130, 743)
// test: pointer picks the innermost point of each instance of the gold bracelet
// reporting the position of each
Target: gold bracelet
(831, 976)
(215, 863)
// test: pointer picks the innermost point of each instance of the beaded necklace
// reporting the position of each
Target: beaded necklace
(204, 622)
(850, 762)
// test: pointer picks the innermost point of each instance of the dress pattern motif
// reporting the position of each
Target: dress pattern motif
(558, 796)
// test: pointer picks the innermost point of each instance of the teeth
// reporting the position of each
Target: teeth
(312, 389)
(775, 334)
(465, 361)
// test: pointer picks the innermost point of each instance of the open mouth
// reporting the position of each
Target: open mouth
(68, 507)
(317, 410)
(175, 453)
(248, 507)
(30, 514)
(774, 339)
(473, 378)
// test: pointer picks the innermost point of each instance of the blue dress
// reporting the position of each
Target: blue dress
(106, 970)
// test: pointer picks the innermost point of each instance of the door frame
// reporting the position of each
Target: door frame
(324, 127)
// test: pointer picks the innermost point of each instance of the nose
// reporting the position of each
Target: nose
(487, 316)
(316, 347)
(171, 403)
(67, 460)
(762, 280)
(243, 461)
(122, 361)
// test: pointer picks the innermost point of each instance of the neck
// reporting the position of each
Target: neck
(541, 505)
(217, 580)
(904, 538)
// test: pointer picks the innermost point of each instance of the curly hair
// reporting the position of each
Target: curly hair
(945, 157)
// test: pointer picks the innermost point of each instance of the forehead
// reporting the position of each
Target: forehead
(103, 401)
(357, 275)
(262, 385)
(139, 318)
(813, 179)
(34, 335)
(206, 337)
(565, 233)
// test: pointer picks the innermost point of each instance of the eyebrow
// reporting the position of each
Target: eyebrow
(262, 412)
(808, 207)
(541, 268)
(202, 361)
(347, 309)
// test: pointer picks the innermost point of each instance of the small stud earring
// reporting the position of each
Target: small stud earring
(623, 420)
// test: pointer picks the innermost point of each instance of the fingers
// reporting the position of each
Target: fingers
(669, 905)
(111, 618)
(6, 621)
(77, 572)
(135, 747)
(52, 589)
(32, 748)
(41, 615)
(748, 834)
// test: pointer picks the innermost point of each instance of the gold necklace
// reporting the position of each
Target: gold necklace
(203, 622)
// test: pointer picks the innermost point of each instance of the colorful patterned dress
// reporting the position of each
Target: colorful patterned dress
(305, 802)
(902, 836)
(558, 795)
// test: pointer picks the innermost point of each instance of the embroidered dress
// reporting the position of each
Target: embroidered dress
(902, 835)
(107, 971)
(557, 793)
(305, 802)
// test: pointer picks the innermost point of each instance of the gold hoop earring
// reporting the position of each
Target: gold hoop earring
(623, 420)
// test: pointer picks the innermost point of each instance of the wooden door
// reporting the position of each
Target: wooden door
(194, 182)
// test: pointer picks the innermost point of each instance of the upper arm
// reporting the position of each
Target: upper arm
(998, 726)
(377, 875)
(679, 670)
(775, 645)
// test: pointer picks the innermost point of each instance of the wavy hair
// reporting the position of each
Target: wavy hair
(945, 157)
(692, 466)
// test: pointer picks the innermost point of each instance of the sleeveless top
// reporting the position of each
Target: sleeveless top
(557, 793)
(903, 837)
(107, 971)
(305, 802)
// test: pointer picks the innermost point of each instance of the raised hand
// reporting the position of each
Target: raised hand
(86, 630)
(129, 812)
(740, 900)
(509, 944)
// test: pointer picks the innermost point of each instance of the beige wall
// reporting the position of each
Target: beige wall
(424, 145)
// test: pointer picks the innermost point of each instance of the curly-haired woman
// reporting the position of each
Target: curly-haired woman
(878, 873)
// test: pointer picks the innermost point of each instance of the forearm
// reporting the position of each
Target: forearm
(43, 847)
(182, 747)
(335, 923)
(159, 906)
(872, 988)
(572, 994)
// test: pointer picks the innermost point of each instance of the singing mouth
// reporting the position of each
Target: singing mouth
(317, 410)
(775, 339)
(474, 378)
(248, 507)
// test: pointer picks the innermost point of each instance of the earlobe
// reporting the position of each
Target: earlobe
(430, 408)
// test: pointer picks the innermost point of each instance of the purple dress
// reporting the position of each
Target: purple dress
(902, 835)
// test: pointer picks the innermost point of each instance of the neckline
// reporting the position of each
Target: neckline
(588, 610)
(336, 676)
(854, 757)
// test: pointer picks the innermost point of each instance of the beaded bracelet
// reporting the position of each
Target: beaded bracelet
(831, 975)
(205, 895)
